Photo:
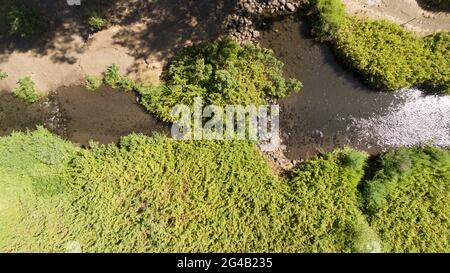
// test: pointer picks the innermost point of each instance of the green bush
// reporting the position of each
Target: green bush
(33, 189)
(26, 90)
(114, 79)
(3, 75)
(408, 200)
(127, 83)
(325, 214)
(222, 73)
(93, 82)
(388, 56)
(329, 16)
(112, 76)
(392, 58)
(97, 22)
(23, 20)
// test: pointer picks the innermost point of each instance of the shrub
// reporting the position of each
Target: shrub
(390, 57)
(3, 75)
(385, 54)
(127, 83)
(408, 200)
(221, 73)
(33, 190)
(93, 82)
(329, 16)
(97, 22)
(26, 90)
(325, 214)
(112, 76)
(23, 20)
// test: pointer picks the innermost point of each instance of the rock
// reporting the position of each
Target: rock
(290, 7)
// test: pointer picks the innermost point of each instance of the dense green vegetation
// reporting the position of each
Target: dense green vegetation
(23, 20)
(32, 188)
(408, 201)
(114, 79)
(222, 73)
(392, 58)
(388, 56)
(26, 90)
(158, 194)
(329, 16)
(325, 216)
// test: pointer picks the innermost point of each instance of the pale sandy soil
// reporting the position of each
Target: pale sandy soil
(91, 58)
(405, 12)
(140, 42)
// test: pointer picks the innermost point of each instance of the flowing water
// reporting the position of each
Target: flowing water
(335, 109)
(80, 115)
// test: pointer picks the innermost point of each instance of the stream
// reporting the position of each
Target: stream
(335, 109)
(79, 115)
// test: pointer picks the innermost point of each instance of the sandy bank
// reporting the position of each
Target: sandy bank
(405, 12)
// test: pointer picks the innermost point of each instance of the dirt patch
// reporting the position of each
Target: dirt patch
(405, 12)
(144, 36)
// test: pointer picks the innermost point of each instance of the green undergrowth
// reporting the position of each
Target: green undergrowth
(220, 73)
(325, 214)
(388, 56)
(155, 194)
(33, 186)
(408, 201)
(3, 75)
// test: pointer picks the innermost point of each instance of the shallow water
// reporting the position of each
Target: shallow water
(80, 115)
(335, 109)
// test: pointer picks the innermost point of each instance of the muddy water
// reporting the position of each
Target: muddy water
(80, 115)
(320, 116)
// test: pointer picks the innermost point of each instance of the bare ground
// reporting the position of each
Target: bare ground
(405, 12)
(144, 36)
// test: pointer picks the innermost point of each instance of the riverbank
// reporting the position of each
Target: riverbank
(407, 13)
(142, 46)
(140, 40)
(335, 109)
